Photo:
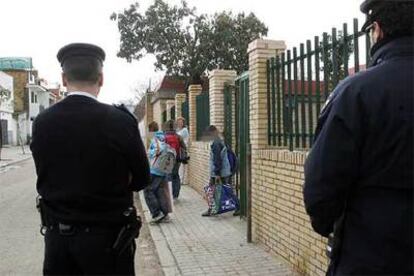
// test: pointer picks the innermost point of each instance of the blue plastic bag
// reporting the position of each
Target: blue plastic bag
(225, 200)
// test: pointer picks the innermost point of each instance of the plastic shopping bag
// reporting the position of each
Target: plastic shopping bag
(220, 198)
(225, 199)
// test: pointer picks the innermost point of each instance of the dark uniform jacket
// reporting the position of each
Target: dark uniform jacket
(89, 159)
(360, 169)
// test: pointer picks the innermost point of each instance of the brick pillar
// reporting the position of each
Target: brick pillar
(260, 51)
(179, 100)
(169, 105)
(218, 78)
(193, 91)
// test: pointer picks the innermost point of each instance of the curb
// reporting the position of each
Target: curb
(166, 257)
(16, 161)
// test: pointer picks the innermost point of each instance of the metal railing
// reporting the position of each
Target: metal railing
(299, 82)
(203, 114)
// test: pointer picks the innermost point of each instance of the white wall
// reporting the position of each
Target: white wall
(7, 108)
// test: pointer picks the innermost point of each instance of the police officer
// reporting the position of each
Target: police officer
(359, 173)
(89, 159)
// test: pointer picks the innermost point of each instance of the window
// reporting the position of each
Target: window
(33, 97)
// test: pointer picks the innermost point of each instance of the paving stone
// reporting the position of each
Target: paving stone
(217, 245)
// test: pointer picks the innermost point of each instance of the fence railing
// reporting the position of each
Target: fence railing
(172, 113)
(203, 113)
(185, 112)
(299, 82)
(228, 114)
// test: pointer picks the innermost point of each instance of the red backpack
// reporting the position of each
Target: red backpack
(173, 140)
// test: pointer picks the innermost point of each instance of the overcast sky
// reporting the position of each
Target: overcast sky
(39, 28)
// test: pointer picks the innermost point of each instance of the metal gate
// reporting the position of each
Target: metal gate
(243, 141)
(203, 114)
(3, 133)
(228, 115)
(172, 113)
(185, 113)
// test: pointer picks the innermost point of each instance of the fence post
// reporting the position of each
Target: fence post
(193, 91)
(260, 51)
(218, 78)
(169, 104)
(179, 99)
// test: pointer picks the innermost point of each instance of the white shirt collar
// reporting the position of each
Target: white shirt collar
(80, 93)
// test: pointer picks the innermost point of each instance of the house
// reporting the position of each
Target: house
(8, 130)
(30, 94)
(163, 98)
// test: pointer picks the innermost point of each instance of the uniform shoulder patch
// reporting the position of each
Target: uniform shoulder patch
(123, 108)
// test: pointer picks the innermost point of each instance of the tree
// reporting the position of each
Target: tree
(343, 49)
(4, 96)
(184, 43)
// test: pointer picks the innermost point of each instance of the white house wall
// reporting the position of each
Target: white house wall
(7, 109)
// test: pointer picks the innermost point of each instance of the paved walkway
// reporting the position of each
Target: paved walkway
(195, 245)
(12, 155)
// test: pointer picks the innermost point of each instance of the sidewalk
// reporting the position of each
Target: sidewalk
(195, 245)
(12, 155)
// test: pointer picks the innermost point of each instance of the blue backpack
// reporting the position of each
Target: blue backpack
(233, 160)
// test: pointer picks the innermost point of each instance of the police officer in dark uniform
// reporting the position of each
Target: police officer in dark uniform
(89, 159)
(359, 173)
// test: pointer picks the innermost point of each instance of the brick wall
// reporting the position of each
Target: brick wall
(198, 169)
(279, 220)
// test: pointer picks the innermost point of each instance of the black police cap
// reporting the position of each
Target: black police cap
(368, 5)
(80, 50)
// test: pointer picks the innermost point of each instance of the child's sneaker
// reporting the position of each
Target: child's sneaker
(157, 218)
(166, 219)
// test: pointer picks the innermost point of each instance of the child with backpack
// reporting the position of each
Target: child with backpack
(222, 164)
(177, 143)
(162, 160)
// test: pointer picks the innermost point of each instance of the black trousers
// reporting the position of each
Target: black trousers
(87, 252)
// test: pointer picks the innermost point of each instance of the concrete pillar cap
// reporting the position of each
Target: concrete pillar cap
(266, 44)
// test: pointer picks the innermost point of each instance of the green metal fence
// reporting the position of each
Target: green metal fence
(185, 112)
(299, 82)
(203, 113)
(172, 113)
(228, 115)
(243, 140)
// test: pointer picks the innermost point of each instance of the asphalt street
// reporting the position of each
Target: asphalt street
(21, 245)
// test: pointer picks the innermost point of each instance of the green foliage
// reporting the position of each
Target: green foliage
(342, 50)
(185, 43)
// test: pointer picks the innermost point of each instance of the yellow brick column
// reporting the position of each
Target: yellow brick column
(193, 91)
(218, 79)
(260, 51)
(180, 98)
(170, 104)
